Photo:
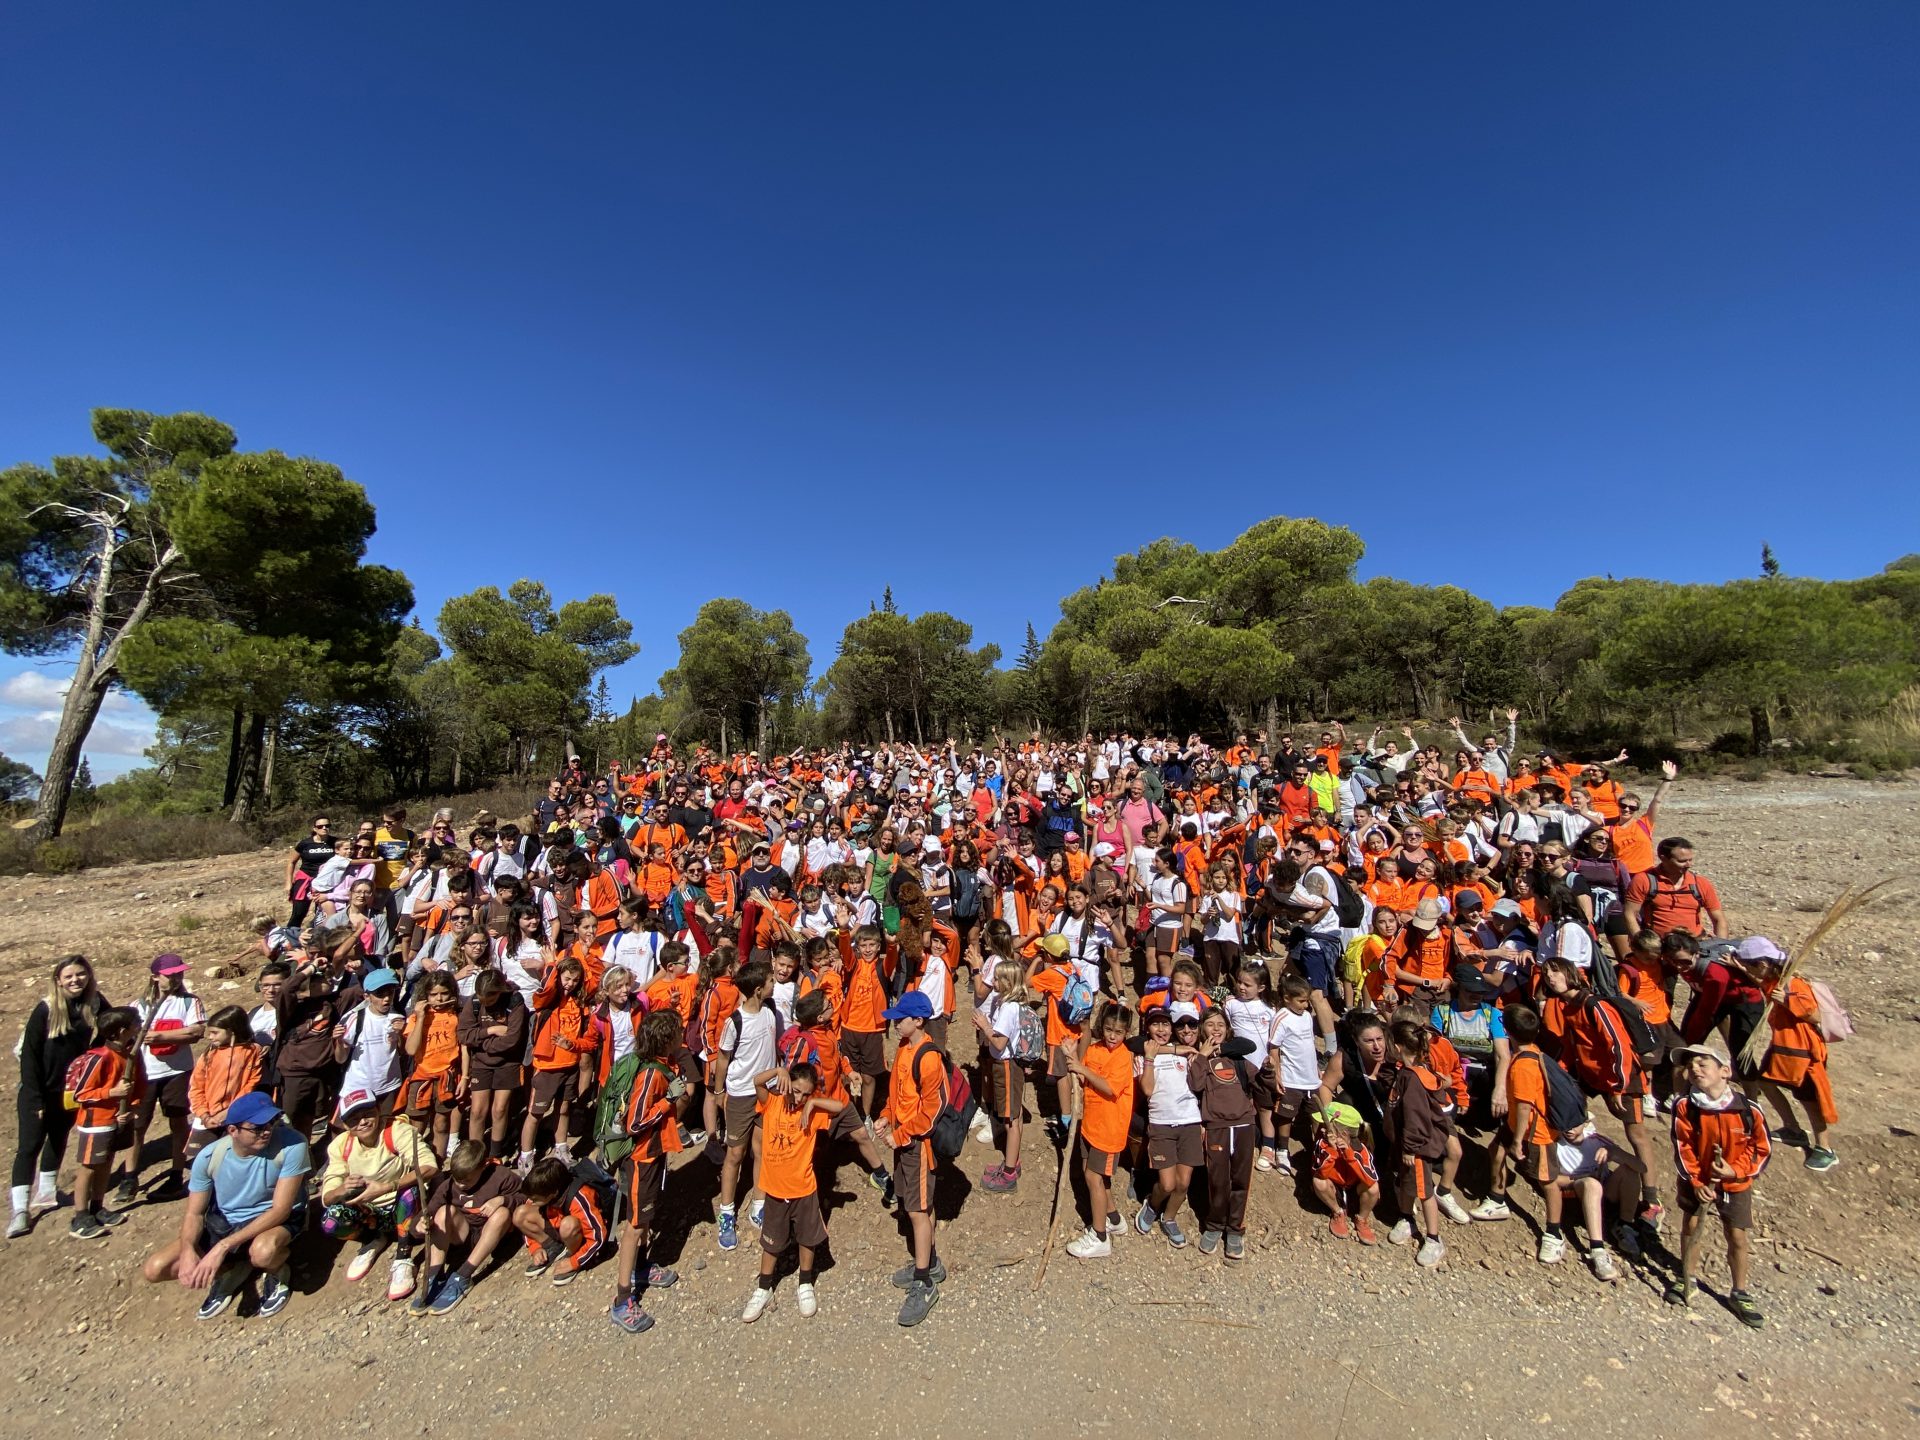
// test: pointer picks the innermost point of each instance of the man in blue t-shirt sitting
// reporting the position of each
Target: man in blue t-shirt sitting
(246, 1201)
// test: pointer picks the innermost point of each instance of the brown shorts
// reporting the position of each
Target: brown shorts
(787, 1221)
(689, 1067)
(1627, 1109)
(493, 1077)
(1733, 1206)
(846, 1125)
(913, 1177)
(1100, 1162)
(1009, 1088)
(550, 1087)
(1170, 1145)
(865, 1051)
(743, 1118)
(936, 1030)
(97, 1147)
(424, 1096)
(640, 1185)
(1417, 1179)
(1287, 1104)
(169, 1096)
(1538, 1164)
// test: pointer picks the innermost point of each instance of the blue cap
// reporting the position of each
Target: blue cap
(379, 980)
(253, 1108)
(914, 1005)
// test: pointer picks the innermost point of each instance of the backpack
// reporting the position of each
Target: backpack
(966, 893)
(610, 1111)
(1634, 1020)
(77, 1071)
(1075, 1003)
(949, 1133)
(1029, 1043)
(1348, 903)
(1835, 1024)
(1566, 1106)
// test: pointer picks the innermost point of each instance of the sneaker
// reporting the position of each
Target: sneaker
(757, 1304)
(729, 1230)
(1748, 1313)
(363, 1259)
(1283, 1164)
(566, 1271)
(1000, 1181)
(757, 1214)
(276, 1289)
(659, 1277)
(880, 1180)
(453, 1290)
(400, 1280)
(1490, 1209)
(1649, 1219)
(1116, 1225)
(1143, 1222)
(1209, 1241)
(20, 1225)
(1365, 1233)
(1090, 1246)
(903, 1277)
(982, 1129)
(628, 1315)
(1553, 1249)
(1792, 1135)
(1401, 1234)
(807, 1300)
(1236, 1246)
(1627, 1241)
(224, 1291)
(991, 1173)
(1820, 1159)
(424, 1294)
(1600, 1261)
(1431, 1252)
(1341, 1227)
(1451, 1207)
(1176, 1237)
(174, 1187)
(692, 1139)
(1678, 1292)
(920, 1299)
(83, 1227)
(126, 1192)
(540, 1264)
(1264, 1160)
(524, 1163)
(108, 1217)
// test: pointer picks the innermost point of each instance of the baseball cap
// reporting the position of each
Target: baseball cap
(1507, 908)
(1103, 851)
(914, 1005)
(1055, 945)
(1340, 1113)
(355, 1102)
(380, 980)
(1754, 947)
(1072, 837)
(1468, 900)
(168, 965)
(931, 845)
(1714, 1046)
(253, 1108)
(1426, 916)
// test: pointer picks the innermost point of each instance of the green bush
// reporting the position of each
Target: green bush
(57, 857)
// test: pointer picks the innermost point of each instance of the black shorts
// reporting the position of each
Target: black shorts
(1733, 1206)
(640, 1184)
(865, 1052)
(1170, 1145)
(913, 1177)
(305, 1097)
(787, 1221)
(168, 1096)
(551, 1087)
(1287, 1104)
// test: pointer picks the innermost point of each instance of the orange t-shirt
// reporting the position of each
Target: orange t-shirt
(786, 1147)
(440, 1051)
(1051, 981)
(1527, 1085)
(1103, 1122)
(673, 992)
(866, 996)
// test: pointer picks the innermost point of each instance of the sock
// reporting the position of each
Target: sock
(49, 1184)
(641, 1265)
(923, 1277)
(766, 1282)
(806, 1277)
(19, 1198)
(1554, 1231)
(729, 1210)
(465, 1271)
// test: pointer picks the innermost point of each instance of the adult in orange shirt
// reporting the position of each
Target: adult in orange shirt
(1632, 832)
(1673, 895)
(1105, 1073)
(914, 1099)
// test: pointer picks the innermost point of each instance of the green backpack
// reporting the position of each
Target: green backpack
(610, 1112)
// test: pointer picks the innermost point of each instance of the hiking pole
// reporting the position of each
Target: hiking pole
(1059, 1178)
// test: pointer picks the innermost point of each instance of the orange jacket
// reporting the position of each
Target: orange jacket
(918, 1091)
(221, 1077)
(1740, 1132)
(563, 1026)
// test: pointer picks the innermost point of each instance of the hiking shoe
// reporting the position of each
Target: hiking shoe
(1431, 1252)
(1491, 1208)
(1819, 1158)
(1451, 1207)
(1363, 1231)
(920, 1299)
(1553, 1249)
(20, 1225)
(1341, 1227)
(1600, 1260)
(1176, 1237)
(108, 1217)
(807, 1300)
(363, 1259)
(1264, 1160)
(82, 1227)
(423, 1295)
(729, 1230)
(223, 1292)
(757, 1304)
(1627, 1242)
(1143, 1222)
(453, 1290)
(1236, 1246)
(1748, 1313)
(903, 1277)
(400, 1280)
(1209, 1241)
(659, 1277)
(276, 1289)
(1678, 1292)
(1401, 1234)
(1090, 1246)
(628, 1315)
(174, 1187)
(1000, 1181)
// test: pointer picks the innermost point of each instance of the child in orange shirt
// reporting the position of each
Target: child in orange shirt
(1105, 1072)
(792, 1119)
(98, 1084)
(228, 1068)
(1343, 1171)
(434, 1085)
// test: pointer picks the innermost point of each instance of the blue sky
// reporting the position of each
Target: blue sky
(795, 301)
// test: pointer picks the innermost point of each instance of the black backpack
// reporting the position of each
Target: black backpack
(1347, 901)
(966, 893)
(1566, 1106)
(1645, 1046)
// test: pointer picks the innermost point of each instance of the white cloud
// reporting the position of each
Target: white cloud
(37, 690)
(30, 737)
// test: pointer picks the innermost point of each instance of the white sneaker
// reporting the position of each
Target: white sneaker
(1401, 1234)
(1263, 1161)
(1491, 1209)
(363, 1259)
(757, 1304)
(1432, 1252)
(1553, 1249)
(1090, 1246)
(1451, 1207)
(400, 1280)
(983, 1128)
(1283, 1164)
(807, 1300)
(1601, 1259)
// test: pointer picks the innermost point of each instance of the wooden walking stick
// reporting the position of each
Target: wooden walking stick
(1059, 1178)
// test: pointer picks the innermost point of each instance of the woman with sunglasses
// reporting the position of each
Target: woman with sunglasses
(303, 864)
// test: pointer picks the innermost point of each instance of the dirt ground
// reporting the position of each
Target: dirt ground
(1326, 1338)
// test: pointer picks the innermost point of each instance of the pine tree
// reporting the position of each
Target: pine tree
(1029, 660)
(1769, 566)
(85, 795)
(887, 607)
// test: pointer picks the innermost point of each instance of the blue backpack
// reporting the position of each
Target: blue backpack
(1076, 1001)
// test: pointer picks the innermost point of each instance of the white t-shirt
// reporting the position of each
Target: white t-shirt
(1299, 1064)
(753, 1036)
(264, 1021)
(1222, 911)
(1143, 865)
(1168, 896)
(1567, 942)
(175, 1012)
(933, 983)
(638, 953)
(1004, 1017)
(373, 1060)
(785, 992)
(1173, 1101)
(1317, 884)
(1251, 1020)
(1087, 944)
(620, 1024)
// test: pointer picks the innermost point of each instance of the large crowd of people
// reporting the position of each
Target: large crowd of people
(1187, 970)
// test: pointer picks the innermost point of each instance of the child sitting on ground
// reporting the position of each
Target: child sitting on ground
(1344, 1176)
